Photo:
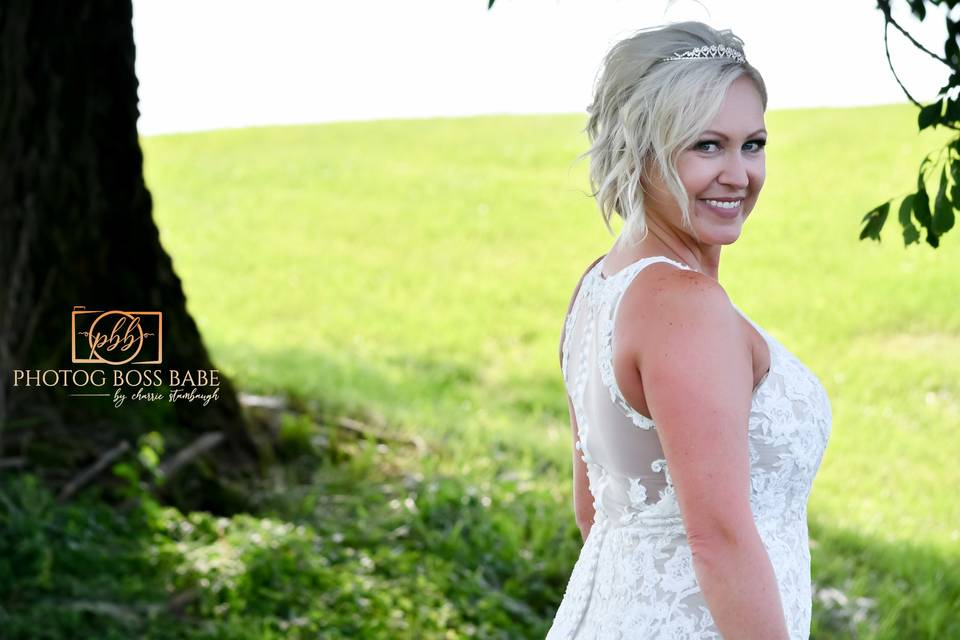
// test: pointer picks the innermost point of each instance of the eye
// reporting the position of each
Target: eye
(759, 142)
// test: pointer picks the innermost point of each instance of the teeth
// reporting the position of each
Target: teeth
(724, 205)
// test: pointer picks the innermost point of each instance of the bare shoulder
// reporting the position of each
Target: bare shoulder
(665, 298)
(677, 322)
(686, 340)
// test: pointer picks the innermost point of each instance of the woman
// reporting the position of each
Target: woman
(697, 435)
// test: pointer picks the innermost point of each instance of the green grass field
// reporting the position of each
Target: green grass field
(414, 274)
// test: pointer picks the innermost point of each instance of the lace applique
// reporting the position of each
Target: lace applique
(661, 465)
(637, 492)
(576, 387)
(637, 496)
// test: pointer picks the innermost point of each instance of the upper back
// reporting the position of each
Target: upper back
(626, 451)
(607, 423)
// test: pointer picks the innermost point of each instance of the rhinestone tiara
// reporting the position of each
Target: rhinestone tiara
(713, 51)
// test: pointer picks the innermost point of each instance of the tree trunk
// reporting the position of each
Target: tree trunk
(76, 228)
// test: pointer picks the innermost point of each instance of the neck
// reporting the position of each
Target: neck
(682, 247)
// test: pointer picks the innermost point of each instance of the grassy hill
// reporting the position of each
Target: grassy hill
(413, 274)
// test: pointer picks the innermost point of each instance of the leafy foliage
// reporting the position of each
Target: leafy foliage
(945, 112)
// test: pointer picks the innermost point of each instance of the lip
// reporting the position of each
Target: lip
(728, 214)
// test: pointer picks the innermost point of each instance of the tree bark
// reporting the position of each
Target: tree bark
(76, 228)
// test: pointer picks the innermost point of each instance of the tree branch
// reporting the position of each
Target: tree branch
(90, 472)
(886, 47)
(363, 430)
(183, 457)
(890, 20)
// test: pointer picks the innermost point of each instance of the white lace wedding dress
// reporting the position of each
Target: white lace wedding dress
(634, 579)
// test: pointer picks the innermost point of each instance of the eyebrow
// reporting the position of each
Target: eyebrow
(717, 133)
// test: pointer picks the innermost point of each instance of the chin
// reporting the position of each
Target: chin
(720, 236)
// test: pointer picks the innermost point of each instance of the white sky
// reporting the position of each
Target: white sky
(212, 64)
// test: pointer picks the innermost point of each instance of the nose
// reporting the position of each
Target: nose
(734, 172)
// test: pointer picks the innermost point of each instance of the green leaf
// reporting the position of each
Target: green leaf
(911, 234)
(916, 6)
(941, 197)
(921, 206)
(942, 207)
(953, 26)
(950, 50)
(874, 222)
(955, 174)
(930, 115)
(951, 83)
(953, 110)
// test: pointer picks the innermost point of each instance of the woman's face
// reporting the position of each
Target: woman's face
(727, 163)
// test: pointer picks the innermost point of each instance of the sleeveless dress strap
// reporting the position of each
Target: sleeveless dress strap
(617, 285)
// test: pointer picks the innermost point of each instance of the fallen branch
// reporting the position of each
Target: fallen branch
(13, 463)
(127, 615)
(361, 429)
(133, 614)
(91, 472)
(198, 447)
(265, 402)
(169, 467)
(178, 602)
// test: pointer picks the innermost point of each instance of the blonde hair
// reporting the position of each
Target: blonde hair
(646, 111)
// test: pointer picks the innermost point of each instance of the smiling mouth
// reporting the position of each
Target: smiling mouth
(723, 208)
(723, 204)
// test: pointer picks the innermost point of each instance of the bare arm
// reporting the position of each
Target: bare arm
(583, 509)
(695, 363)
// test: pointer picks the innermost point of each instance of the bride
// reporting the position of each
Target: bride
(697, 435)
